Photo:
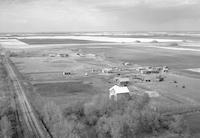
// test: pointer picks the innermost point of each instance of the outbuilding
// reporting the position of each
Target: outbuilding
(122, 81)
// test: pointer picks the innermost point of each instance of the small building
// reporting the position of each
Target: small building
(52, 55)
(140, 68)
(126, 64)
(107, 70)
(137, 78)
(79, 54)
(165, 69)
(145, 72)
(159, 78)
(150, 70)
(118, 91)
(63, 55)
(122, 81)
(66, 73)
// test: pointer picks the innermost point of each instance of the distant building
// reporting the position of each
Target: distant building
(145, 72)
(66, 73)
(165, 69)
(107, 70)
(126, 64)
(122, 81)
(149, 70)
(63, 55)
(52, 55)
(117, 91)
(159, 78)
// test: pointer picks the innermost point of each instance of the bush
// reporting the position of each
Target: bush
(75, 111)
(178, 125)
(174, 44)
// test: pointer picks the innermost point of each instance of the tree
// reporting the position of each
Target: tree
(53, 117)
(6, 127)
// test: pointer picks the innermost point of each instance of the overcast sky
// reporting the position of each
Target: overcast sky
(99, 15)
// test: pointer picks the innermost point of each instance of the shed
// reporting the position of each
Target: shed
(122, 81)
(115, 91)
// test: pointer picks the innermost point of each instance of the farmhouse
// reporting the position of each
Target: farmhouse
(118, 91)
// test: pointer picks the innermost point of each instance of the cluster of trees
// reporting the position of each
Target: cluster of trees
(104, 118)
(8, 124)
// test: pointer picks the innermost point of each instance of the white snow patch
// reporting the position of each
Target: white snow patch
(12, 43)
(195, 70)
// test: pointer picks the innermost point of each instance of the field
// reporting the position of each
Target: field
(44, 66)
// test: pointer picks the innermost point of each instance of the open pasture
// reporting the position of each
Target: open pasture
(46, 72)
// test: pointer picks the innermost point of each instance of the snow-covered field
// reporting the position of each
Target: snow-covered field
(102, 39)
(195, 70)
(12, 43)
(15, 43)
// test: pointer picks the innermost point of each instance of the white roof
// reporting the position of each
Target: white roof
(119, 89)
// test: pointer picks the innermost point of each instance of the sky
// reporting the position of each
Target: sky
(99, 15)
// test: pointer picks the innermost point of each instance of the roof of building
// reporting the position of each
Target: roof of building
(119, 89)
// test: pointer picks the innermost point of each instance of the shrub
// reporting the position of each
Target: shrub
(178, 125)
(75, 111)
(173, 44)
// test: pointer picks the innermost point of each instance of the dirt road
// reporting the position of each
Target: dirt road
(31, 121)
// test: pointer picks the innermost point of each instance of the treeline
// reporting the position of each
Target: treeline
(104, 118)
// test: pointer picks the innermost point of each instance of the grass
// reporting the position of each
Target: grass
(135, 54)
(193, 121)
(64, 89)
